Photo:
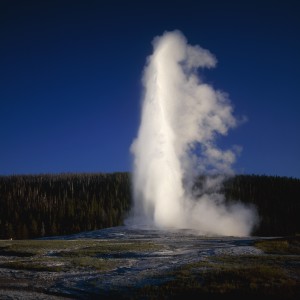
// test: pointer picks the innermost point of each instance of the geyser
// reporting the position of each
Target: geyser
(181, 118)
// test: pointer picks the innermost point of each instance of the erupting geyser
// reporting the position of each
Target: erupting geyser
(181, 117)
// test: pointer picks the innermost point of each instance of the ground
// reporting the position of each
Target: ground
(130, 263)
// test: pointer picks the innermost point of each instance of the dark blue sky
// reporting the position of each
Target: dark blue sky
(70, 76)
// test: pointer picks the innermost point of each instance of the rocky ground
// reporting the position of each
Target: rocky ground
(127, 263)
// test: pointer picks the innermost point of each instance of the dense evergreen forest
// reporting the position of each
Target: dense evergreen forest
(277, 200)
(46, 205)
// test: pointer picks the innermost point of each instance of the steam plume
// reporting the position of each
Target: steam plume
(181, 117)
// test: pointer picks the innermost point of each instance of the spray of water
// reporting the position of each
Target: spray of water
(181, 118)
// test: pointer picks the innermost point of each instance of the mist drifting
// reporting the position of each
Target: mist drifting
(181, 118)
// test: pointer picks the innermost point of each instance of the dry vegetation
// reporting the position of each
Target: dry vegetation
(272, 275)
(63, 255)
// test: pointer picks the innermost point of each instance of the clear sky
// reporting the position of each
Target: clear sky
(70, 79)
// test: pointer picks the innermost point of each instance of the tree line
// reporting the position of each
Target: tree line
(47, 205)
(277, 200)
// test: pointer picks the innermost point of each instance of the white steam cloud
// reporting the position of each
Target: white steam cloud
(181, 117)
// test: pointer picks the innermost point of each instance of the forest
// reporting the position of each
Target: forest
(47, 205)
(33, 206)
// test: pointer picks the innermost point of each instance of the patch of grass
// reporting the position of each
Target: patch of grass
(224, 283)
(109, 248)
(62, 255)
(283, 246)
(36, 265)
(93, 263)
(240, 276)
(36, 247)
(10, 252)
(78, 247)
